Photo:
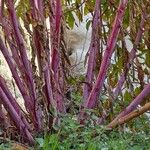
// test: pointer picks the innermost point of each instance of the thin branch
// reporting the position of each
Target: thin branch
(93, 51)
(130, 116)
(133, 105)
(91, 102)
(132, 55)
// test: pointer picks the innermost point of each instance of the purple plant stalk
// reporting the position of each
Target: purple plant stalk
(28, 103)
(36, 3)
(15, 117)
(15, 75)
(42, 48)
(58, 76)
(41, 7)
(93, 50)
(13, 101)
(48, 83)
(48, 86)
(8, 32)
(9, 37)
(27, 66)
(16, 57)
(55, 20)
(20, 43)
(133, 105)
(131, 56)
(23, 89)
(37, 14)
(18, 37)
(34, 7)
(91, 101)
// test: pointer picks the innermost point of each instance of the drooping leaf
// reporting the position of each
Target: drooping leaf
(70, 19)
(88, 24)
(127, 96)
(147, 59)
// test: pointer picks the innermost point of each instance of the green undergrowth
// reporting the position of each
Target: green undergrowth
(72, 136)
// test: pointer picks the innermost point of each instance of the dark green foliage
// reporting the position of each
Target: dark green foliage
(73, 136)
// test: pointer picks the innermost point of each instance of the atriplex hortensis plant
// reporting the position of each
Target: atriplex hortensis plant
(93, 51)
(111, 43)
(42, 83)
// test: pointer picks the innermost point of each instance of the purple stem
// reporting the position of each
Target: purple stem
(41, 47)
(55, 22)
(20, 43)
(93, 50)
(15, 75)
(41, 7)
(131, 57)
(12, 66)
(14, 116)
(13, 101)
(11, 42)
(27, 66)
(133, 105)
(91, 102)
(48, 84)
(36, 33)
(55, 30)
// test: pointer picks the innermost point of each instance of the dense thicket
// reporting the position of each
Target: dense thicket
(33, 42)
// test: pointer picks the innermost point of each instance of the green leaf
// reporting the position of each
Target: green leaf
(70, 19)
(22, 8)
(120, 64)
(79, 15)
(88, 24)
(126, 18)
(146, 71)
(127, 96)
(137, 91)
(86, 11)
(147, 59)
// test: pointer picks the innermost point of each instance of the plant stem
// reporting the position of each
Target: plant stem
(96, 90)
